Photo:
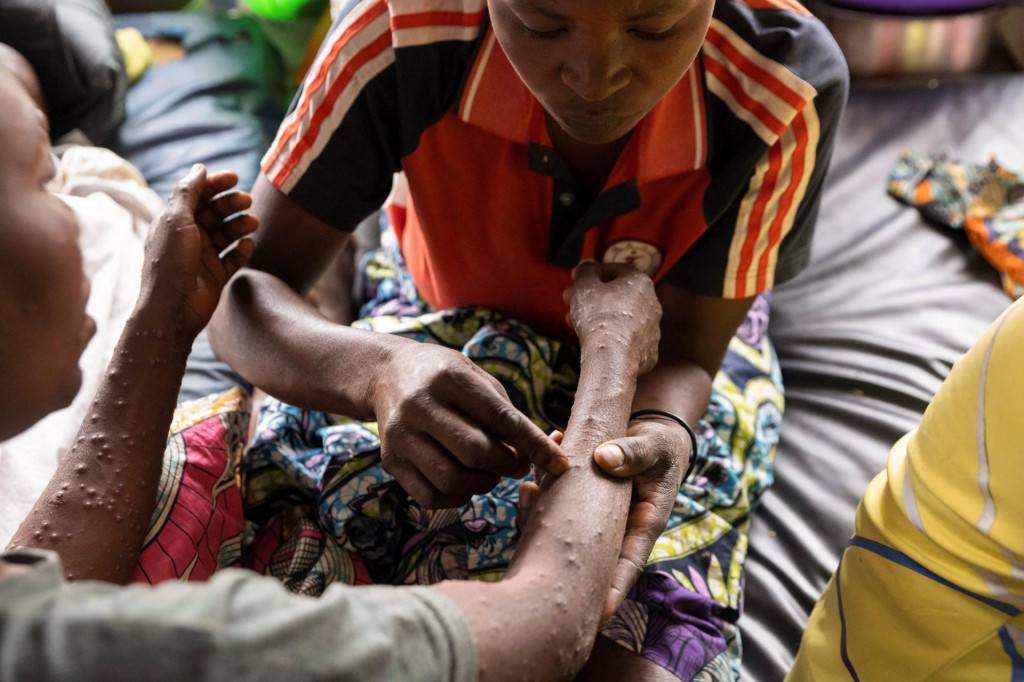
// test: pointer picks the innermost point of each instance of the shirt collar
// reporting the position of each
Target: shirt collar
(670, 140)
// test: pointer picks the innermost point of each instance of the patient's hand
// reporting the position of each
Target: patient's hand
(185, 271)
(614, 303)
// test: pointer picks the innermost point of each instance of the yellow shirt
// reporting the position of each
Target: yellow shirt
(931, 585)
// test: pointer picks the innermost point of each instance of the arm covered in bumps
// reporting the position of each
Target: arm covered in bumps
(550, 601)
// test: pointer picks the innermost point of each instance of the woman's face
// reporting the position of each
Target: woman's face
(43, 289)
(599, 66)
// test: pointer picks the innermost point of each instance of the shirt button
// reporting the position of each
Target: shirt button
(566, 198)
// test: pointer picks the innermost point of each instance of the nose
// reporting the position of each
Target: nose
(596, 74)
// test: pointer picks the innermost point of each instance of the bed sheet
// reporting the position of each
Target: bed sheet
(865, 336)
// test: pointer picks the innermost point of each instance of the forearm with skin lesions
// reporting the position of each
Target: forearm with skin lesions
(96, 510)
(549, 602)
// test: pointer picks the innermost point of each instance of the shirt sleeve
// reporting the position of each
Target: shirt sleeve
(386, 72)
(239, 626)
(775, 86)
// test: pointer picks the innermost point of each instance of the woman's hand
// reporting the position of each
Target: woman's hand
(614, 304)
(654, 453)
(448, 430)
(185, 270)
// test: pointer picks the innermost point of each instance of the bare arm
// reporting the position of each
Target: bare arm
(96, 509)
(270, 334)
(447, 428)
(695, 334)
(548, 606)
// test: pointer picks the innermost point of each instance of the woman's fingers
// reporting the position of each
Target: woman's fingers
(528, 493)
(493, 411)
(428, 472)
(471, 445)
(629, 456)
(236, 258)
(187, 193)
(418, 486)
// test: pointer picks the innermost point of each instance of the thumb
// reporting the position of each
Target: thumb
(528, 492)
(189, 190)
(626, 456)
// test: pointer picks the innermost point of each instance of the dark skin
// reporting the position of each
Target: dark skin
(287, 341)
(597, 67)
(548, 588)
(567, 548)
(96, 509)
(447, 428)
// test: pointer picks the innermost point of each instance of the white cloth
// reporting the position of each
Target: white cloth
(114, 208)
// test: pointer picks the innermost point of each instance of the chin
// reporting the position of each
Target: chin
(72, 385)
(596, 132)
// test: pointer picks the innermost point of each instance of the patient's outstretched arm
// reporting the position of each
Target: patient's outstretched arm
(96, 509)
(541, 620)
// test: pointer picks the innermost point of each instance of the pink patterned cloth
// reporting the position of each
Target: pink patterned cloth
(198, 522)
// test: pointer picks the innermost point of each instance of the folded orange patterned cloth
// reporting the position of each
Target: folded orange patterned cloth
(985, 200)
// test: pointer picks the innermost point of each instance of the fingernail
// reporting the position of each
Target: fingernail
(196, 168)
(612, 455)
(558, 466)
(525, 497)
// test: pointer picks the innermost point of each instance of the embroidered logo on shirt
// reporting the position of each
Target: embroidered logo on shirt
(643, 256)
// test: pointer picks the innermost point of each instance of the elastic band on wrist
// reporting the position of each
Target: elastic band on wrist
(678, 420)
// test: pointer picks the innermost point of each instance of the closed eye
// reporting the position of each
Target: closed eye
(660, 35)
(542, 35)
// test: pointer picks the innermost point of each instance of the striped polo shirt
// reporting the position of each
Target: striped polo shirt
(716, 191)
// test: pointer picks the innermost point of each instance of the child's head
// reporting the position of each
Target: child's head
(599, 66)
(43, 289)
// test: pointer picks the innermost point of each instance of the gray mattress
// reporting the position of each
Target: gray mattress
(865, 336)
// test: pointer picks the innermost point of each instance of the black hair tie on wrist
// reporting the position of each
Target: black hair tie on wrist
(678, 420)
